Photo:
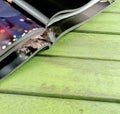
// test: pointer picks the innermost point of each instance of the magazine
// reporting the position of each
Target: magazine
(30, 26)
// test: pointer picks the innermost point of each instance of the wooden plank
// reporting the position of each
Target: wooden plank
(105, 23)
(66, 77)
(85, 45)
(13, 104)
(114, 8)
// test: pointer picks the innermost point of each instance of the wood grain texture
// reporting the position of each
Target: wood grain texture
(87, 45)
(66, 77)
(12, 104)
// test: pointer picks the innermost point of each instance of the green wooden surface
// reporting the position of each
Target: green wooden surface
(80, 74)
(87, 45)
(14, 104)
(41, 105)
(66, 77)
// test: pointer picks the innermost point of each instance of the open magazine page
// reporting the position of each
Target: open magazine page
(14, 27)
(21, 37)
(51, 7)
(71, 12)
(23, 52)
(62, 22)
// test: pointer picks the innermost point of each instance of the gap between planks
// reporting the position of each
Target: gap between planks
(59, 96)
(113, 12)
(82, 58)
(96, 32)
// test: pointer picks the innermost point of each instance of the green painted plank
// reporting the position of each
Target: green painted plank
(66, 77)
(85, 45)
(115, 7)
(105, 22)
(13, 104)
